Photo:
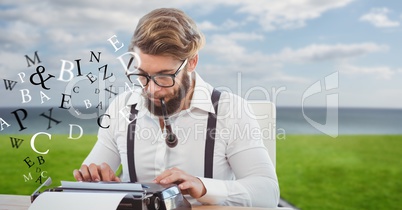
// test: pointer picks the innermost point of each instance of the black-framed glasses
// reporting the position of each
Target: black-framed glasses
(162, 80)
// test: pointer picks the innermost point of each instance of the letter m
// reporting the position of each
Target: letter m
(27, 178)
(34, 60)
(15, 143)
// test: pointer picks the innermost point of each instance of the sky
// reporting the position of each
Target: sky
(344, 53)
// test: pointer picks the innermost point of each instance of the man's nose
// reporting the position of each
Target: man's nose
(153, 87)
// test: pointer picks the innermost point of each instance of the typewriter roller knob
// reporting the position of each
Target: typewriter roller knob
(155, 203)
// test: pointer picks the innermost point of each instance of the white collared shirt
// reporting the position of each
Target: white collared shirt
(243, 173)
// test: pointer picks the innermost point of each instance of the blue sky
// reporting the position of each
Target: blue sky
(272, 50)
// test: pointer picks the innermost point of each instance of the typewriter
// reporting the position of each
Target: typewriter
(144, 196)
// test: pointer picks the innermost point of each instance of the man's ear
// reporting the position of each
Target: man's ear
(192, 63)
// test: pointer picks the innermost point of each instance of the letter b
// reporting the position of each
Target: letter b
(40, 160)
(24, 94)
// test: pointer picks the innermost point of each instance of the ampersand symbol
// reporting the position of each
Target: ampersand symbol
(39, 71)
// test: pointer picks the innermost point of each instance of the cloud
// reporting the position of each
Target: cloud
(9, 70)
(227, 45)
(382, 72)
(272, 14)
(245, 36)
(274, 67)
(259, 74)
(379, 18)
(207, 26)
(280, 14)
(228, 24)
(73, 24)
(275, 14)
(287, 79)
(70, 29)
(321, 52)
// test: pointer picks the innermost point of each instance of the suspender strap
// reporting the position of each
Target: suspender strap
(210, 136)
(130, 144)
(209, 144)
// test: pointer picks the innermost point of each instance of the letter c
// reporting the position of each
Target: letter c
(41, 174)
(33, 142)
(101, 118)
(75, 91)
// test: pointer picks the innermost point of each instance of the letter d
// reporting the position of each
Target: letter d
(71, 131)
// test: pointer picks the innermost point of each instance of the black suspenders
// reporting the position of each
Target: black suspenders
(210, 137)
(209, 143)
(130, 144)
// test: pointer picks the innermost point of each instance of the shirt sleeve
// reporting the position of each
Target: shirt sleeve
(103, 153)
(255, 183)
(105, 148)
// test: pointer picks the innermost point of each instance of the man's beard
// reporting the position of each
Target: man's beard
(173, 105)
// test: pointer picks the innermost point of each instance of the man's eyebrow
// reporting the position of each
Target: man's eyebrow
(164, 71)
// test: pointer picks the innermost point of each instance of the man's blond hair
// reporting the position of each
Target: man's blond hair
(169, 32)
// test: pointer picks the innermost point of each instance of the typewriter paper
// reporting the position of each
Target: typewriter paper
(132, 187)
(71, 201)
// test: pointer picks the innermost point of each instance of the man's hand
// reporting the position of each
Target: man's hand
(188, 184)
(95, 173)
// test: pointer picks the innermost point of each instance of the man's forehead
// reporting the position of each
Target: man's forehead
(153, 63)
(151, 57)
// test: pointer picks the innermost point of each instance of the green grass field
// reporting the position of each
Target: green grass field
(315, 172)
(64, 155)
(348, 172)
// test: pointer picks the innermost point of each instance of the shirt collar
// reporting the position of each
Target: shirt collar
(201, 97)
(136, 98)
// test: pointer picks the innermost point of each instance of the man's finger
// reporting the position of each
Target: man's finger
(94, 173)
(77, 175)
(175, 177)
(113, 176)
(86, 176)
(106, 172)
(163, 175)
(185, 185)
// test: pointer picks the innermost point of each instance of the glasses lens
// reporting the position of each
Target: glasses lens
(143, 80)
(164, 81)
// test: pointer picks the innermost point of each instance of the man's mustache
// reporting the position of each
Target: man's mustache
(150, 95)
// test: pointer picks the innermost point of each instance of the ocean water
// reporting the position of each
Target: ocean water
(349, 120)
(289, 120)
